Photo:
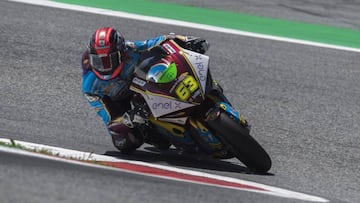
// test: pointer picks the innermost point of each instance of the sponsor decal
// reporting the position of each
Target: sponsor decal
(169, 48)
(166, 105)
(139, 82)
(181, 120)
(201, 70)
(160, 106)
(200, 64)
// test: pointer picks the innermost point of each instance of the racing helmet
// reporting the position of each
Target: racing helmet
(106, 48)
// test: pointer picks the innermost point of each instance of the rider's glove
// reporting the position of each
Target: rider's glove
(189, 42)
(198, 45)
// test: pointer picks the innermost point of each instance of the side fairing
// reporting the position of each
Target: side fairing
(160, 105)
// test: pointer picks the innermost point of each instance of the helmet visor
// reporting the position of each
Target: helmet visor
(105, 63)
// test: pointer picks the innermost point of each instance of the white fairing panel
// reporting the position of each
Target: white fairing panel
(160, 106)
(200, 64)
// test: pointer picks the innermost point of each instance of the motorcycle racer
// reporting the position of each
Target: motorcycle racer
(108, 64)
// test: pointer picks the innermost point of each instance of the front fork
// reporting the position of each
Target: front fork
(235, 115)
(215, 102)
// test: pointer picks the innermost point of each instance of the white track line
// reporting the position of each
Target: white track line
(179, 23)
(73, 156)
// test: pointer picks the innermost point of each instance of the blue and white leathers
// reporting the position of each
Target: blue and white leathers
(95, 89)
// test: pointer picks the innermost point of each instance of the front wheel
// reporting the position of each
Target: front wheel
(233, 134)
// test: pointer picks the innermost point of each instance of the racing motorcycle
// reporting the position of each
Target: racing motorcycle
(184, 107)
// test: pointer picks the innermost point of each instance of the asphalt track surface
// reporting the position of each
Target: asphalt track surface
(303, 103)
(341, 13)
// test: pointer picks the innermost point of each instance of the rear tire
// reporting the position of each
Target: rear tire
(233, 134)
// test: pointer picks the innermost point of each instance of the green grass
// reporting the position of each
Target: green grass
(239, 21)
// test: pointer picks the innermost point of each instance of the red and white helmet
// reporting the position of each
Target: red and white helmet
(106, 48)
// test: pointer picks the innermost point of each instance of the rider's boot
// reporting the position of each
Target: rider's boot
(125, 138)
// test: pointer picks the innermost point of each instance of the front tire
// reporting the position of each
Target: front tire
(242, 144)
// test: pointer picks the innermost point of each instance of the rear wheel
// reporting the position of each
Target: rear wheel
(233, 134)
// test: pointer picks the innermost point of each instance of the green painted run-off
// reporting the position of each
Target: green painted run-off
(269, 26)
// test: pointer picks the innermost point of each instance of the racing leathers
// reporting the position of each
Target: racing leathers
(111, 98)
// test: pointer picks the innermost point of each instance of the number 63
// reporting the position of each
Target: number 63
(186, 87)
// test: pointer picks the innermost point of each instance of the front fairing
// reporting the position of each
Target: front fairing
(171, 78)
